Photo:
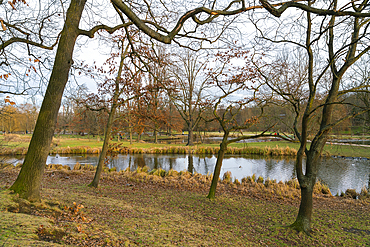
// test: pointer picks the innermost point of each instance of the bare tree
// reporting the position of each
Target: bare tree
(231, 80)
(125, 88)
(28, 181)
(188, 92)
(165, 29)
(342, 41)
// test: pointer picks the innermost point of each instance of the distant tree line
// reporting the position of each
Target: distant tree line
(75, 118)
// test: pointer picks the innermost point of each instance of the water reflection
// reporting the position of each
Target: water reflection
(338, 173)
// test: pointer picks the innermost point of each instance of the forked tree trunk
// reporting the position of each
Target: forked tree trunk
(307, 182)
(28, 182)
(217, 171)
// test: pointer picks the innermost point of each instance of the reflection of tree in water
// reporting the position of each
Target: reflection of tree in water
(156, 163)
(335, 173)
(139, 161)
(206, 171)
(190, 163)
(170, 162)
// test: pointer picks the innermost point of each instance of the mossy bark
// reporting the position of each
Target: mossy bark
(28, 182)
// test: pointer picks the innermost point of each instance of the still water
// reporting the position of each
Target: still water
(338, 173)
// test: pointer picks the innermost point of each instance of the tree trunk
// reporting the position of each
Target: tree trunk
(104, 150)
(155, 136)
(307, 182)
(130, 129)
(216, 173)
(190, 137)
(303, 220)
(108, 128)
(28, 182)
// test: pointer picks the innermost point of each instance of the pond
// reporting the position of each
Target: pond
(338, 173)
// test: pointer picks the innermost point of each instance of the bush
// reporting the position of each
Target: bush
(227, 177)
(260, 180)
(351, 193)
(321, 188)
(160, 173)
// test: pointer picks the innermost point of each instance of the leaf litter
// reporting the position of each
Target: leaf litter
(138, 209)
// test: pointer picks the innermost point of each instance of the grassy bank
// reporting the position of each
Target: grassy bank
(141, 209)
(18, 144)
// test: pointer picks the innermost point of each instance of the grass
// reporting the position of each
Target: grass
(329, 149)
(138, 209)
(78, 144)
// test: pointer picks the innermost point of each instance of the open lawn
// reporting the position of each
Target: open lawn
(137, 209)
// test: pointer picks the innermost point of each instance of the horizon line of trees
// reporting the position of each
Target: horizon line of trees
(75, 118)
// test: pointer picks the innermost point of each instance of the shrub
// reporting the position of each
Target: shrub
(260, 180)
(268, 182)
(113, 169)
(293, 183)
(172, 173)
(236, 182)
(145, 169)
(158, 172)
(227, 177)
(321, 188)
(66, 167)
(351, 193)
(186, 174)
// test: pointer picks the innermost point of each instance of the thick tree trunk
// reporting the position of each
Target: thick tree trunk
(307, 182)
(155, 134)
(303, 220)
(190, 137)
(27, 185)
(216, 173)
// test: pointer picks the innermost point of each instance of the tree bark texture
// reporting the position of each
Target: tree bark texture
(217, 171)
(28, 182)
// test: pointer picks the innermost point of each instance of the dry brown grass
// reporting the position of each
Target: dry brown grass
(143, 209)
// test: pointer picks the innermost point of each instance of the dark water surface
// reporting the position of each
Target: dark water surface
(338, 173)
